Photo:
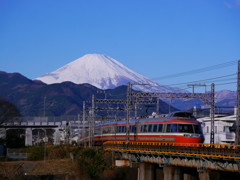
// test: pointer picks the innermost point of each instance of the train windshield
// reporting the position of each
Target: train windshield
(184, 128)
(188, 128)
(197, 129)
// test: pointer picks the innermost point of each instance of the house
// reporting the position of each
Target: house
(223, 133)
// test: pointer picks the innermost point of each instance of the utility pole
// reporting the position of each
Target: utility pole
(212, 112)
(237, 134)
(92, 122)
(83, 122)
(79, 126)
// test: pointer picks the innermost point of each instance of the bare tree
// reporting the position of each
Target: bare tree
(8, 111)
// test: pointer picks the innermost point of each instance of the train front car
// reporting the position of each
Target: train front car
(178, 127)
(184, 128)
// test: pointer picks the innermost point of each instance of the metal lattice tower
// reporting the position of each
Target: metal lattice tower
(136, 97)
(208, 98)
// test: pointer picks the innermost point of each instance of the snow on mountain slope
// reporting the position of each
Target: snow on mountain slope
(101, 71)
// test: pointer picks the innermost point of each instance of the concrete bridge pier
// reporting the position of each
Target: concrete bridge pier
(56, 136)
(28, 137)
(190, 177)
(147, 171)
(172, 173)
(204, 175)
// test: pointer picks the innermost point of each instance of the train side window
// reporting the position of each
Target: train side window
(174, 128)
(108, 130)
(168, 128)
(133, 128)
(104, 130)
(138, 128)
(119, 129)
(145, 128)
(124, 128)
(112, 129)
(155, 126)
(97, 131)
(101, 130)
(160, 128)
(150, 128)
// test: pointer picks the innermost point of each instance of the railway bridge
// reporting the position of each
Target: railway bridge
(32, 132)
(178, 161)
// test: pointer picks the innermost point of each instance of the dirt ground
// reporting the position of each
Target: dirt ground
(60, 169)
(12, 169)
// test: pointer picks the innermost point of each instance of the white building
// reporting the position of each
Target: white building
(222, 128)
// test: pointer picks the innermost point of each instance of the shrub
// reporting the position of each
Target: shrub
(91, 163)
(35, 153)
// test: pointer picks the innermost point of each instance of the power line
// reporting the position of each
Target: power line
(203, 80)
(225, 83)
(206, 83)
(210, 68)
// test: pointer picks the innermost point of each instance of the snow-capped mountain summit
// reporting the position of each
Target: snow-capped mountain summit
(101, 71)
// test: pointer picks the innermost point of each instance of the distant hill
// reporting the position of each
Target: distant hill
(225, 100)
(60, 99)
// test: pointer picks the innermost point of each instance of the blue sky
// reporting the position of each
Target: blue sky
(155, 38)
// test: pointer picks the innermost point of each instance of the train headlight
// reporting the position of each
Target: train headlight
(196, 135)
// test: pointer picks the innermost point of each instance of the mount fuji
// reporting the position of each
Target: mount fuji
(102, 72)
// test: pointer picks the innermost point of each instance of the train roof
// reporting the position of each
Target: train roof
(178, 115)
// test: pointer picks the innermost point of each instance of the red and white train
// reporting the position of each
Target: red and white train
(178, 127)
